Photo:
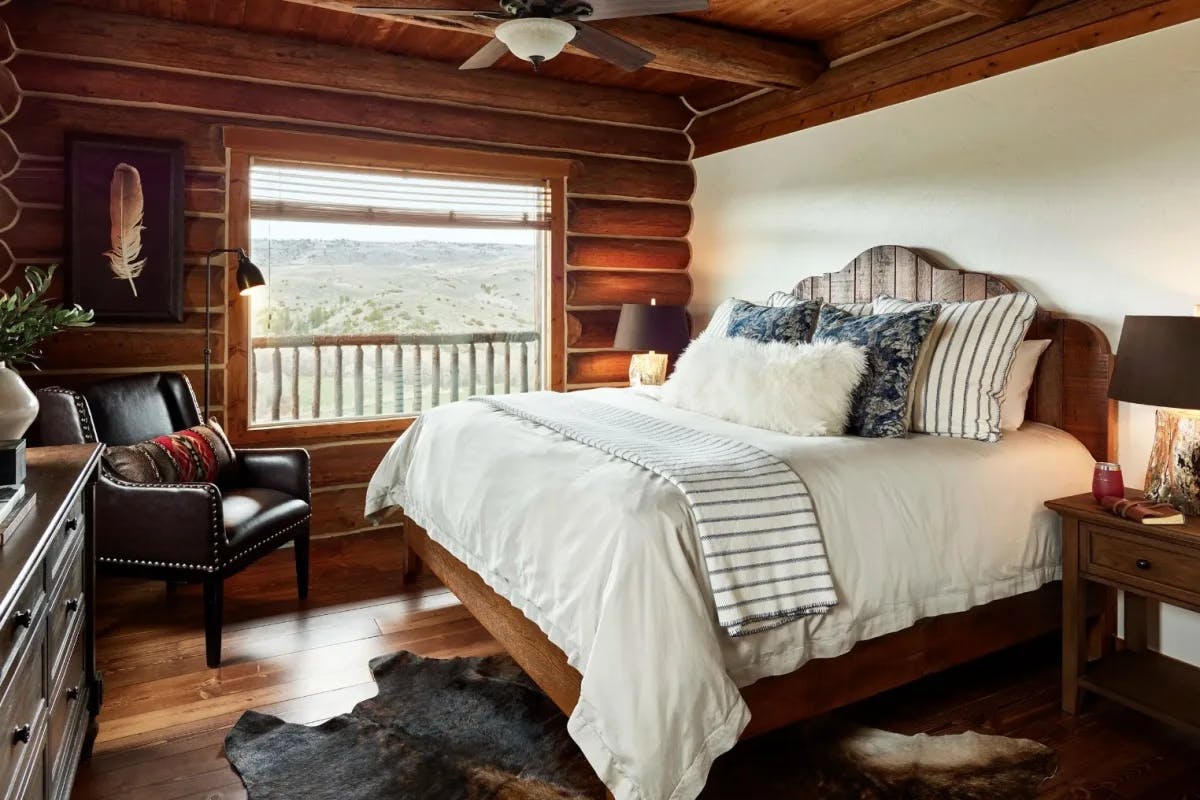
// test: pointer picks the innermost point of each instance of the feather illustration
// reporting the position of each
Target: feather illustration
(126, 213)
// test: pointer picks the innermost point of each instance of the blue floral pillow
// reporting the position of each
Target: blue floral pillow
(892, 342)
(793, 324)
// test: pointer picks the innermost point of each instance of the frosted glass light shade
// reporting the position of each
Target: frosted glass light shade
(535, 39)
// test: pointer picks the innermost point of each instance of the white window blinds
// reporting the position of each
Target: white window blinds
(287, 191)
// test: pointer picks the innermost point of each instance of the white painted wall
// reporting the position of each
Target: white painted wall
(1079, 179)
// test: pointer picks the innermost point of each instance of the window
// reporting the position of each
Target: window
(389, 292)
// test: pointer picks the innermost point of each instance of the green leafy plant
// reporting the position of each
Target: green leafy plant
(27, 319)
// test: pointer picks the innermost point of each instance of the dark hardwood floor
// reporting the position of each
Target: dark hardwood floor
(165, 715)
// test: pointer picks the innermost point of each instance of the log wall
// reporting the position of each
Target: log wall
(66, 68)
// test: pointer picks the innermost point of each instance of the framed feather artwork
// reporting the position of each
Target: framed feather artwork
(126, 227)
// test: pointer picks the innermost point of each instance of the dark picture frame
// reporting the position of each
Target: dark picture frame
(123, 267)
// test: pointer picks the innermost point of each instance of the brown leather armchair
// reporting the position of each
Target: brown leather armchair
(182, 532)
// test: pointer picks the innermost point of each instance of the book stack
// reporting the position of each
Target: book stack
(14, 503)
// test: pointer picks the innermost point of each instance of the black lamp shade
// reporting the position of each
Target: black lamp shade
(1158, 362)
(663, 329)
(249, 276)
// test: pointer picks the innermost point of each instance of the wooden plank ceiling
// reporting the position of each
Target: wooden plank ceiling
(751, 69)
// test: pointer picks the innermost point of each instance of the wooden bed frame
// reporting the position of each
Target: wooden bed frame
(1070, 392)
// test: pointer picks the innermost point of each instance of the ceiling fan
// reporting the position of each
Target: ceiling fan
(538, 30)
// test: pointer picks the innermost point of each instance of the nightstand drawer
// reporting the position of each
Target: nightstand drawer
(1145, 563)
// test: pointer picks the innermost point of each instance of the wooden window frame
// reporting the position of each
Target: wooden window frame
(244, 145)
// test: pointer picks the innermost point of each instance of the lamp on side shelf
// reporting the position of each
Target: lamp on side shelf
(249, 278)
(1158, 364)
(662, 330)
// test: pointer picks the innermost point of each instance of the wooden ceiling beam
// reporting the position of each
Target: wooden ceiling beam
(680, 46)
(717, 53)
(77, 31)
(941, 59)
(996, 9)
(889, 28)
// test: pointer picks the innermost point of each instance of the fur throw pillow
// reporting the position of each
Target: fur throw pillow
(801, 389)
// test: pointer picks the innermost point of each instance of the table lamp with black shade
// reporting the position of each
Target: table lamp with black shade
(249, 278)
(662, 330)
(1158, 364)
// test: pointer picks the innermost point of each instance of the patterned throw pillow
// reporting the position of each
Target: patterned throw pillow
(965, 362)
(197, 455)
(893, 344)
(793, 324)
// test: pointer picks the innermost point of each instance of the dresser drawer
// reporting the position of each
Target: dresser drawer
(19, 625)
(67, 702)
(34, 774)
(23, 714)
(1157, 566)
(68, 532)
(65, 606)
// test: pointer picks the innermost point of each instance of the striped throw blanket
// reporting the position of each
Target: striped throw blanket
(758, 530)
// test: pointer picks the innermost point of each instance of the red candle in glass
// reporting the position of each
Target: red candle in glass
(1107, 481)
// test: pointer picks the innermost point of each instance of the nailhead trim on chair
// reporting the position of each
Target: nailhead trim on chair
(81, 408)
(214, 501)
(136, 563)
(266, 541)
(195, 403)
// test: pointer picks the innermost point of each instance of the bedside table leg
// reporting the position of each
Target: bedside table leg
(1102, 629)
(1137, 619)
(1074, 630)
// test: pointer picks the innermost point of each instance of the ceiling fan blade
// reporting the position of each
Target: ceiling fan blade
(491, 52)
(616, 9)
(612, 49)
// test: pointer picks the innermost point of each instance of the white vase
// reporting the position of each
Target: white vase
(18, 405)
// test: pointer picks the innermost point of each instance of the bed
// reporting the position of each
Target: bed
(617, 631)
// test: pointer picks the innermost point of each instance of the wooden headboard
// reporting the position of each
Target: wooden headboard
(1070, 390)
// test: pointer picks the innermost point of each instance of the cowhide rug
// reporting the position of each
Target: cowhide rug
(479, 729)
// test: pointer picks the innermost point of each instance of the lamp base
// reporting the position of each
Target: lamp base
(1174, 473)
(648, 369)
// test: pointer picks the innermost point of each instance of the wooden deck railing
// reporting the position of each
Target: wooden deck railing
(306, 377)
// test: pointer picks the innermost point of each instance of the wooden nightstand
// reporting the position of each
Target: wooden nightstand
(1150, 563)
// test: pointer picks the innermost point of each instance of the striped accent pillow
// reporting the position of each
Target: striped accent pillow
(782, 299)
(778, 299)
(718, 323)
(964, 363)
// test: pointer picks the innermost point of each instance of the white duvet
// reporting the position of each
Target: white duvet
(602, 556)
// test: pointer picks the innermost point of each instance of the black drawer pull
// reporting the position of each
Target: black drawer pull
(72, 524)
(73, 693)
(22, 734)
(1142, 563)
(72, 605)
(23, 619)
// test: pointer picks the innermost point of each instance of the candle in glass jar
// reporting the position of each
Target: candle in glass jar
(1107, 481)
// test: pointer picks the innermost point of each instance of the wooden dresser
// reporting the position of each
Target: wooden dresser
(49, 690)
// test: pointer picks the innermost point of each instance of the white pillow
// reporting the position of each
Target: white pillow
(718, 323)
(785, 299)
(1020, 381)
(964, 363)
(802, 389)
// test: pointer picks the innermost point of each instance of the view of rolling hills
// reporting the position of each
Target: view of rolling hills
(342, 286)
